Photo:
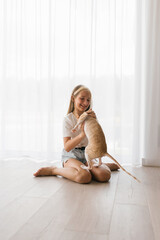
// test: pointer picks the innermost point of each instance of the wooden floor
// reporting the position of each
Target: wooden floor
(54, 208)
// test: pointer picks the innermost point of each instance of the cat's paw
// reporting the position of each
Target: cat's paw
(97, 164)
(85, 167)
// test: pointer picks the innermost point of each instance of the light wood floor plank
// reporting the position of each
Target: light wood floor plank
(16, 214)
(151, 178)
(55, 208)
(62, 211)
(94, 209)
(131, 222)
(130, 191)
(74, 235)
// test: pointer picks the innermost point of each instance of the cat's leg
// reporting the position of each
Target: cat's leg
(99, 163)
(89, 163)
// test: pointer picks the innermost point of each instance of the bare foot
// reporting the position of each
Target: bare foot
(46, 171)
(112, 166)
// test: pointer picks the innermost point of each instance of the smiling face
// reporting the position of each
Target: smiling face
(82, 102)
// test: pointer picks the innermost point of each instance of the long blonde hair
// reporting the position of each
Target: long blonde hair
(75, 92)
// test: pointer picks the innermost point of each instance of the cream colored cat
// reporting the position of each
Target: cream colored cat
(97, 147)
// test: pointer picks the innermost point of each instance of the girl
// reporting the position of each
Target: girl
(74, 144)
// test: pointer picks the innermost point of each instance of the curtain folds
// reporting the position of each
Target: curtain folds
(49, 46)
(151, 62)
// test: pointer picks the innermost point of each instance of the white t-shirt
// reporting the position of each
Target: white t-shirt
(68, 123)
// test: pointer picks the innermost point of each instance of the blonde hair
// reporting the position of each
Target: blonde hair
(75, 93)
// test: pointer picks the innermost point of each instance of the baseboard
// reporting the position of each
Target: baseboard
(150, 162)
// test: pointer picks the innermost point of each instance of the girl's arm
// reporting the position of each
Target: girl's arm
(69, 143)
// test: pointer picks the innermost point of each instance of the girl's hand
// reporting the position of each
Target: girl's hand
(91, 113)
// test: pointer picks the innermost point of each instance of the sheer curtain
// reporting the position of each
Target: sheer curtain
(48, 47)
(150, 63)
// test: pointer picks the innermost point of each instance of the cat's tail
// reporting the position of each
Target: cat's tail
(108, 155)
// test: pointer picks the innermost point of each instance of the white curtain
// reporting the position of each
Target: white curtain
(150, 63)
(49, 46)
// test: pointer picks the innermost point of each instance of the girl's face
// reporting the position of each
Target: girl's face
(82, 101)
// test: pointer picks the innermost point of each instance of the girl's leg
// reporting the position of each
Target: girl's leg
(101, 173)
(72, 170)
(112, 166)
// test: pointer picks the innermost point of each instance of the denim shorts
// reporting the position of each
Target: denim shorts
(76, 153)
